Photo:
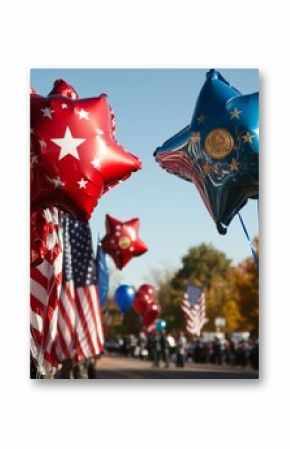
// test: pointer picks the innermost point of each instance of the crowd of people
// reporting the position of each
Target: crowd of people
(162, 348)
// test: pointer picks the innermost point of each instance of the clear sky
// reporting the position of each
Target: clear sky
(151, 105)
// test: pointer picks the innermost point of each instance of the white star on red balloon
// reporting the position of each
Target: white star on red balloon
(83, 114)
(57, 182)
(68, 144)
(47, 112)
(82, 183)
(96, 162)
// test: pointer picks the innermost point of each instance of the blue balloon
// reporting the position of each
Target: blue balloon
(219, 150)
(124, 297)
(160, 325)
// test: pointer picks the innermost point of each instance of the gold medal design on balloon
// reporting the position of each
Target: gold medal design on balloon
(124, 242)
(219, 143)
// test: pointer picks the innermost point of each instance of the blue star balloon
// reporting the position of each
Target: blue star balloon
(219, 150)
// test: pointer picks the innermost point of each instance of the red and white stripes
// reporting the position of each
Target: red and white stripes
(45, 291)
(80, 332)
(65, 322)
(195, 315)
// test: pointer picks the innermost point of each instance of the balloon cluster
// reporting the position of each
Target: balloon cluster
(144, 302)
(218, 151)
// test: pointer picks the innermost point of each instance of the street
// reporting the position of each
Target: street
(127, 368)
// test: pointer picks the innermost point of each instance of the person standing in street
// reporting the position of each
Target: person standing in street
(181, 350)
(165, 348)
(142, 343)
(156, 349)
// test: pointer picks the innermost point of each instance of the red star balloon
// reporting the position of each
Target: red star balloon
(122, 241)
(74, 156)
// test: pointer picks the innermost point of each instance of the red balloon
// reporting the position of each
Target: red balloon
(121, 241)
(141, 303)
(144, 297)
(74, 156)
(152, 314)
(149, 290)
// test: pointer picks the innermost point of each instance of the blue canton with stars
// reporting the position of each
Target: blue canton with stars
(78, 260)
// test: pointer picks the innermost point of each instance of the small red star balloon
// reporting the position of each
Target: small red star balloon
(74, 156)
(122, 241)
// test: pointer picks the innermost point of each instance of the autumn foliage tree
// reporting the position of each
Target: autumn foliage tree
(231, 291)
(242, 300)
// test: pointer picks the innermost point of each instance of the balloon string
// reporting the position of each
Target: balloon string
(252, 248)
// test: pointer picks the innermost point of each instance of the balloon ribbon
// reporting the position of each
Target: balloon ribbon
(252, 248)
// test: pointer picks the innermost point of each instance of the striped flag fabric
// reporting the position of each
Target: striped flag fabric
(193, 306)
(45, 288)
(65, 309)
(80, 332)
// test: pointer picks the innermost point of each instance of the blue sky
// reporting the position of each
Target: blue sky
(151, 105)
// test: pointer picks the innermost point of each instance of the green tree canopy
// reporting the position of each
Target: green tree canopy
(231, 292)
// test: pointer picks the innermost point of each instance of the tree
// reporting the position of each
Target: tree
(203, 266)
(244, 292)
(231, 291)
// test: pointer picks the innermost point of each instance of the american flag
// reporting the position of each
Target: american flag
(77, 331)
(193, 306)
(45, 289)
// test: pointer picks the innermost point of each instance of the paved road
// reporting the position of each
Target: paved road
(126, 368)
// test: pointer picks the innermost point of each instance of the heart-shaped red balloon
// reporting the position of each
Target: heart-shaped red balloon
(74, 156)
(122, 241)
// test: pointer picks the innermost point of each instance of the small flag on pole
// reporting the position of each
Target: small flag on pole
(193, 306)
